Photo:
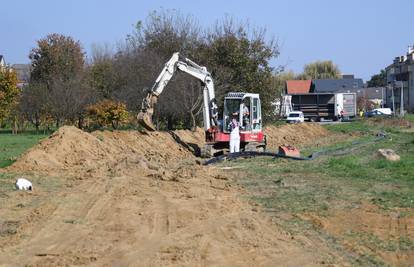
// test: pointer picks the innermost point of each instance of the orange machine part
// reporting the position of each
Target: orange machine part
(287, 150)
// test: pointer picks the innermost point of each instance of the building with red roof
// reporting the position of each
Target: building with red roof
(298, 86)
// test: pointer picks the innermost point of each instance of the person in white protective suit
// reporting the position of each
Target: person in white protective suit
(234, 134)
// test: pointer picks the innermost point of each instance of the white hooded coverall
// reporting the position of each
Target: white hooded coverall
(234, 136)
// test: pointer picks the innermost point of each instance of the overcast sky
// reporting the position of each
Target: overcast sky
(361, 36)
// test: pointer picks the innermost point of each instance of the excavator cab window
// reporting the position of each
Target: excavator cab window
(256, 115)
(231, 106)
(246, 111)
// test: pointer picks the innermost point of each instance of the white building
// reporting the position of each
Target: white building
(401, 74)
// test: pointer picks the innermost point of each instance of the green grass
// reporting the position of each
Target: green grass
(358, 126)
(288, 189)
(360, 170)
(13, 145)
(409, 117)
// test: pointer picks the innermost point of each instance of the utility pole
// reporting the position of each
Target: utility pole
(402, 99)
(393, 102)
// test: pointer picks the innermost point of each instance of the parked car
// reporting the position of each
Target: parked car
(295, 117)
(379, 112)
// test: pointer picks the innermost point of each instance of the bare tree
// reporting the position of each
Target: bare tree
(193, 102)
(144, 55)
(33, 104)
(67, 100)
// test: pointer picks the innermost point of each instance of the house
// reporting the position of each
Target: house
(375, 95)
(298, 86)
(371, 93)
(348, 84)
(400, 78)
(23, 74)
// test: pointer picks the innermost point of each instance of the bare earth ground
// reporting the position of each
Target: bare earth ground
(369, 220)
(136, 199)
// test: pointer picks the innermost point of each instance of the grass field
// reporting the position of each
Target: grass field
(359, 204)
(12, 145)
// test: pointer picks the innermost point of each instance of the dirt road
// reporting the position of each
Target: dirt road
(133, 199)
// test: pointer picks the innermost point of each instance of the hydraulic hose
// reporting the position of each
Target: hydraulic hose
(335, 151)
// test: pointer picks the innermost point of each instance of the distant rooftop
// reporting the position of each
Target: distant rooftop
(334, 85)
(348, 76)
(22, 71)
(298, 86)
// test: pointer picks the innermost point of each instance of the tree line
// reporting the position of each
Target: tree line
(106, 89)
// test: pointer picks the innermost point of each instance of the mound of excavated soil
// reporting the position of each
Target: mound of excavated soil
(192, 137)
(67, 147)
(294, 134)
(70, 148)
(74, 150)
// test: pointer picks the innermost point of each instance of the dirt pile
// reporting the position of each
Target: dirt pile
(192, 137)
(74, 150)
(67, 147)
(193, 141)
(294, 134)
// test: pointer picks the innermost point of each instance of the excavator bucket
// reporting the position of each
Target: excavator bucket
(145, 120)
(145, 115)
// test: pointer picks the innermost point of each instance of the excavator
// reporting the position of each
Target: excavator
(217, 133)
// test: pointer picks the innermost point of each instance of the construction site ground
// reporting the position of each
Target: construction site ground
(128, 198)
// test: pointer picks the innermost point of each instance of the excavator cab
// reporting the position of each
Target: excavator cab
(247, 107)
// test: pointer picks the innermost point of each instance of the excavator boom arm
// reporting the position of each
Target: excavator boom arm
(210, 114)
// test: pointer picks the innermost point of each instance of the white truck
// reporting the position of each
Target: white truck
(318, 106)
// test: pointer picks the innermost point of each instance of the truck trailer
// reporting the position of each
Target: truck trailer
(317, 106)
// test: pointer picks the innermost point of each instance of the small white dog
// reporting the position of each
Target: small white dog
(23, 184)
